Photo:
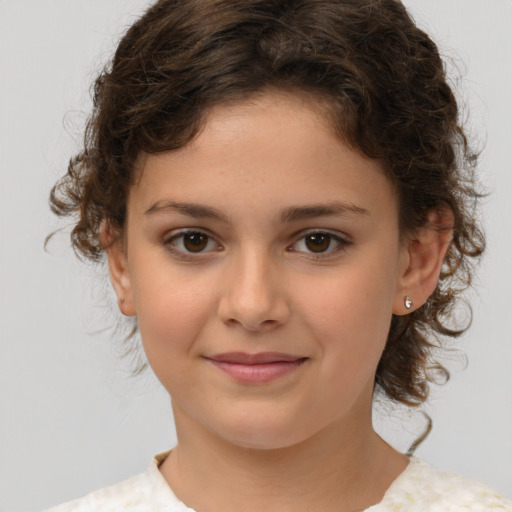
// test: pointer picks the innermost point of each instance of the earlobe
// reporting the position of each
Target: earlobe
(425, 253)
(118, 269)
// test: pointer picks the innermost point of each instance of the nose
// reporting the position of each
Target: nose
(253, 294)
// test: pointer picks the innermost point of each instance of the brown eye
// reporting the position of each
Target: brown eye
(192, 242)
(318, 242)
(195, 242)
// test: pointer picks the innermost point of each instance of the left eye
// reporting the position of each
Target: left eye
(318, 242)
(193, 242)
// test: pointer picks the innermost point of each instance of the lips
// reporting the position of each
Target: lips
(256, 368)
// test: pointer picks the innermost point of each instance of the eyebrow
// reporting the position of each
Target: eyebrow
(320, 210)
(198, 211)
(291, 214)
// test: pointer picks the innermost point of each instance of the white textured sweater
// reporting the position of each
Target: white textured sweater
(418, 489)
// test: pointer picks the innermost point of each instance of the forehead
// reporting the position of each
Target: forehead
(274, 147)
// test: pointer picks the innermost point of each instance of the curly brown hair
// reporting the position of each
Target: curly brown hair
(386, 88)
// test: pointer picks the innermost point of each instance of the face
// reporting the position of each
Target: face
(263, 262)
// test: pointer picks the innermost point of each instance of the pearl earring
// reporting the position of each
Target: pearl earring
(408, 302)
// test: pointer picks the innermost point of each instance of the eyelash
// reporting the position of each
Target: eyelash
(340, 242)
(183, 252)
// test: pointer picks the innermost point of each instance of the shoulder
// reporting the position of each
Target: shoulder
(126, 495)
(145, 492)
(422, 488)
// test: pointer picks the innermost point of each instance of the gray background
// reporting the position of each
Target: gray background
(71, 418)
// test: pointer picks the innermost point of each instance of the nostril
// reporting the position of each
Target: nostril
(252, 326)
(251, 299)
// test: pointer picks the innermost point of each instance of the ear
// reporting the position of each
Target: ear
(422, 257)
(118, 267)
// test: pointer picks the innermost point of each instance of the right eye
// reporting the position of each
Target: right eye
(192, 242)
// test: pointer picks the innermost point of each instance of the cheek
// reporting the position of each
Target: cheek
(357, 297)
(350, 314)
(171, 311)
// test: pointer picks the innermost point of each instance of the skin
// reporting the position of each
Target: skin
(303, 441)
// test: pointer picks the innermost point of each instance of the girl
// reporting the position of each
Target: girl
(285, 197)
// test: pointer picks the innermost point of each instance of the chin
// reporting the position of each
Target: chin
(262, 443)
(264, 435)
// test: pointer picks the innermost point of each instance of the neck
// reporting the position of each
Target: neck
(344, 468)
